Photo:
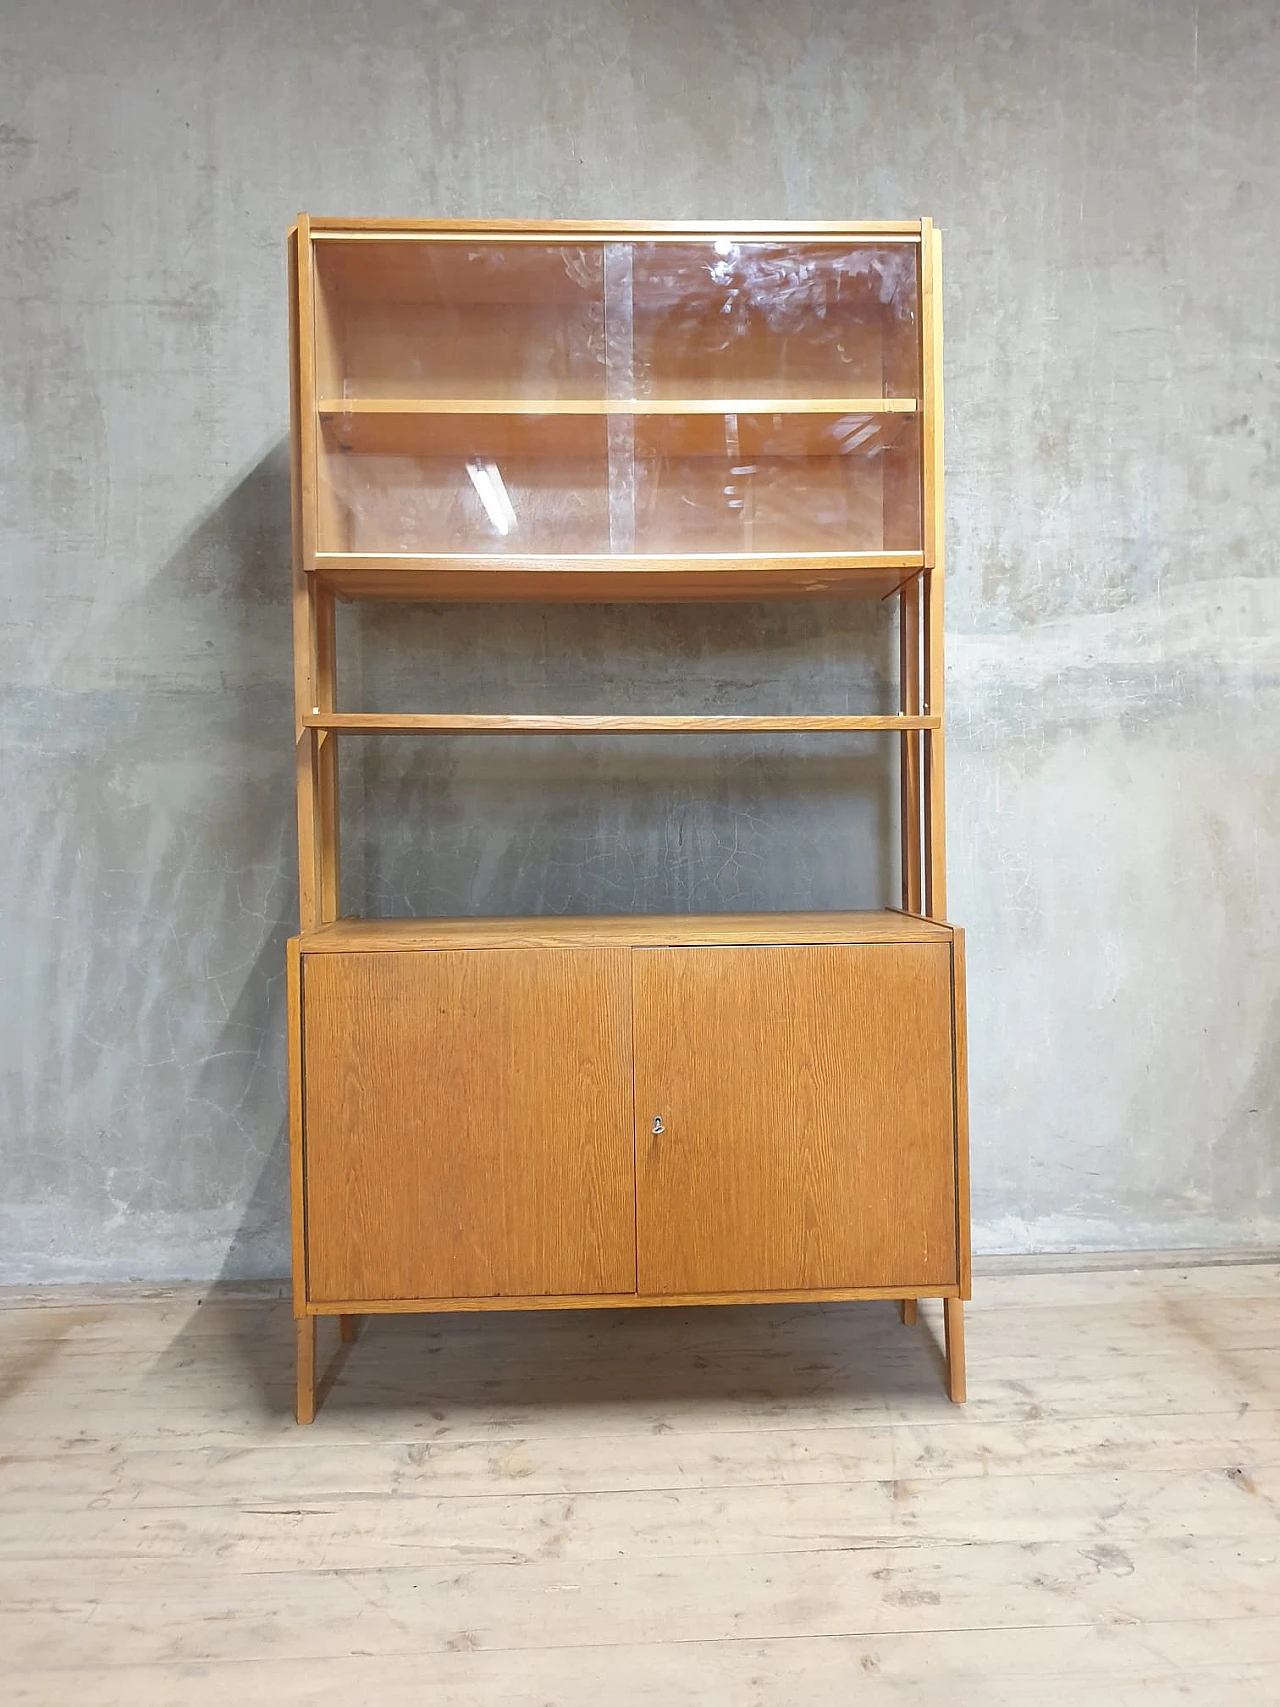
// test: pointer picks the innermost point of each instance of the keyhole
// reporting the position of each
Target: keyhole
(657, 1124)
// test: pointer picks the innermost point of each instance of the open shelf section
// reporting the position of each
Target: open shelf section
(602, 579)
(650, 930)
(430, 723)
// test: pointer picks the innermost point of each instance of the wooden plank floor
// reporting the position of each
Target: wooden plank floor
(732, 1508)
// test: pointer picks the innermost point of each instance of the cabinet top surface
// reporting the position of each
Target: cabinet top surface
(691, 930)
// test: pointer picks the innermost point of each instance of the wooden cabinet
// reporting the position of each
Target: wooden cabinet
(558, 1122)
(498, 1113)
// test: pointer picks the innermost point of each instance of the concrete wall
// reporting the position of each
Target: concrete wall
(1107, 176)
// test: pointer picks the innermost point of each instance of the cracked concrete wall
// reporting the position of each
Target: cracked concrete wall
(1106, 175)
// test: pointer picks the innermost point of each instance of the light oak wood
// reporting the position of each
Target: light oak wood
(537, 230)
(510, 723)
(585, 579)
(305, 1409)
(909, 747)
(302, 500)
(464, 1094)
(468, 1124)
(960, 1038)
(794, 1118)
(297, 1205)
(326, 759)
(953, 1317)
(935, 551)
(910, 1310)
(652, 930)
(429, 1306)
(339, 407)
(802, 446)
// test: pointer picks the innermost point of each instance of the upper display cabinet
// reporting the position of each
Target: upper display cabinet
(613, 412)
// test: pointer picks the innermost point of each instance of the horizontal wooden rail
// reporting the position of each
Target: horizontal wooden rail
(381, 723)
(798, 563)
(557, 231)
(337, 406)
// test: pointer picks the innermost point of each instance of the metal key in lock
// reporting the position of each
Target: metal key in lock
(657, 1125)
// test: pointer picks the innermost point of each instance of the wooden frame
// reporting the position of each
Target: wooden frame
(912, 577)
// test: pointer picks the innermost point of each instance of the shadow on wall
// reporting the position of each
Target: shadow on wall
(237, 866)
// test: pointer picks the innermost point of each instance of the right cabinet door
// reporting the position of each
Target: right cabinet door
(795, 1118)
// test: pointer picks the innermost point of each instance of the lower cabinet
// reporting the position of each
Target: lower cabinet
(568, 1122)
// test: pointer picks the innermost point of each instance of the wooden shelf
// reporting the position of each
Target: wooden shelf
(514, 579)
(653, 930)
(408, 723)
(759, 429)
(329, 407)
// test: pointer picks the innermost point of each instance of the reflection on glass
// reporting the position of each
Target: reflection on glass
(460, 320)
(775, 320)
(492, 493)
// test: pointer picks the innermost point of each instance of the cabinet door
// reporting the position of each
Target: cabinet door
(806, 1108)
(468, 1124)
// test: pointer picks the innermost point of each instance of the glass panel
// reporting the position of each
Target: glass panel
(543, 399)
(770, 320)
(507, 484)
(459, 319)
(772, 484)
(592, 483)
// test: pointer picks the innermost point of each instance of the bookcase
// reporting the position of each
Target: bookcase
(547, 1113)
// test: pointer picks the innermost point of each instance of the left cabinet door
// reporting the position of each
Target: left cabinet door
(467, 1124)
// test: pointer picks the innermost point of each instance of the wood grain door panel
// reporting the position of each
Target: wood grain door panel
(468, 1124)
(806, 1104)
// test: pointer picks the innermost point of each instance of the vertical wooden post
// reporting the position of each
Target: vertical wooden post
(909, 1309)
(302, 494)
(314, 649)
(327, 760)
(953, 1321)
(960, 1046)
(935, 829)
(307, 693)
(297, 1208)
(909, 743)
(306, 1407)
(347, 1328)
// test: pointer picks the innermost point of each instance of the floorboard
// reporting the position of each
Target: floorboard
(733, 1508)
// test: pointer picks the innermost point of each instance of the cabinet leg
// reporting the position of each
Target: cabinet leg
(910, 1310)
(953, 1318)
(306, 1369)
(347, 1327)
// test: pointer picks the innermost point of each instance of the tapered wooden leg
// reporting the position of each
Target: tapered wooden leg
(347, 1326)
(953, 1317)
(306, 1369)
(910, 1308)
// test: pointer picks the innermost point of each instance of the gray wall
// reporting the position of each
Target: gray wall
(1107, 176)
